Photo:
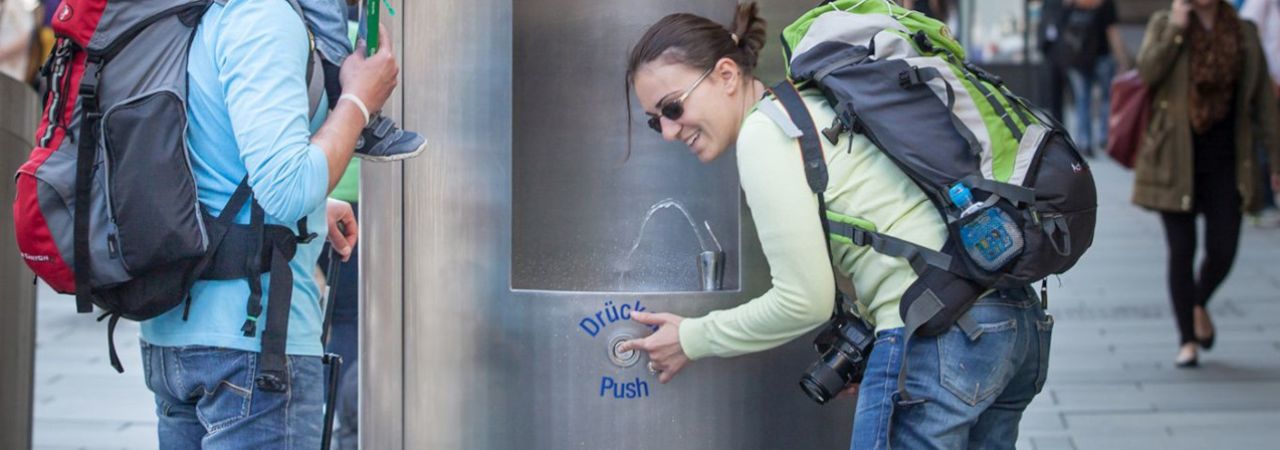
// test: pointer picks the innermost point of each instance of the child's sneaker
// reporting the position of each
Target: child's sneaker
(382, 140)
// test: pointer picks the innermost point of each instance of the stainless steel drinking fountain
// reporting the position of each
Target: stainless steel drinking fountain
(500, 269)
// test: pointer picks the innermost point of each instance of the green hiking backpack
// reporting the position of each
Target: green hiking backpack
(899, 78)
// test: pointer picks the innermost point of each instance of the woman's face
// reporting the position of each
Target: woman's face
(1203, 3)
(705, 120)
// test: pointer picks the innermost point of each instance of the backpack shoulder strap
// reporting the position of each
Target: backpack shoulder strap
(815, 166)
(315, 75)
(779, 117)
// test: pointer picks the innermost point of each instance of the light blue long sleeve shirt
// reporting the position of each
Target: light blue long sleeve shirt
(247, 114)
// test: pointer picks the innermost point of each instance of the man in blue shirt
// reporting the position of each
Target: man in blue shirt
(248, 116)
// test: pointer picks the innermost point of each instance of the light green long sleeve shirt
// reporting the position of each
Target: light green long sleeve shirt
(864, 184)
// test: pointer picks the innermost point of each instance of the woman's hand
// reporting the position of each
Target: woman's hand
(666, 356)
(342, 239)
(1179, 13)
(851, 391)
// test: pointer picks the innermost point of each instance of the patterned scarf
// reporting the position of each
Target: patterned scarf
(1216, 62)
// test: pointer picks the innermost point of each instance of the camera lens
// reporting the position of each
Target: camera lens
(823, 380)
(843, 346)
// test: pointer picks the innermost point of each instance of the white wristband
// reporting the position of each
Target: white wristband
(359, 104)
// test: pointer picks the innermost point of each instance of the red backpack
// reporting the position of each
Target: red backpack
(106, 206)
(108, 196)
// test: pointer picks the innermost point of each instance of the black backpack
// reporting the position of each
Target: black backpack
(901, 80)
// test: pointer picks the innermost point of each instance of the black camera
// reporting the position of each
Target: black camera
(844, 346)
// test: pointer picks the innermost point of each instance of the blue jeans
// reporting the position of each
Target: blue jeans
(974, 390)
(206, 399)
(1082, 83)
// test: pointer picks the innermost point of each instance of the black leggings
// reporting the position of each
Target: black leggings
(1219, 202)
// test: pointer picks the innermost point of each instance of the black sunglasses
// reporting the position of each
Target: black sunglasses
(674, 109)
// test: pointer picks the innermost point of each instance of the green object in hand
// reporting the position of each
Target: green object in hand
(371, 9)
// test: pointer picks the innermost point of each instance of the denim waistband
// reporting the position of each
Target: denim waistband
(1020, 297)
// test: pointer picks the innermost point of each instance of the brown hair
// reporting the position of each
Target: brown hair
(697, 42)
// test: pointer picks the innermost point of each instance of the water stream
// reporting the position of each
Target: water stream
(668, 203)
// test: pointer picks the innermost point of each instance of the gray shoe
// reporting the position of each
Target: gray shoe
(382, 140)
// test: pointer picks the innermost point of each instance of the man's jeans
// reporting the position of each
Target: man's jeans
(1091, 127)
(973, 389)
(206, 398)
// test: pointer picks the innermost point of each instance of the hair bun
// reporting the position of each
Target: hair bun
(748, 31)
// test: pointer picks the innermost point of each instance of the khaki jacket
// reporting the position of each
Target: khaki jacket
(1163, 172)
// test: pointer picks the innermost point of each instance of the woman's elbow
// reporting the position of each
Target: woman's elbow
(820, 305)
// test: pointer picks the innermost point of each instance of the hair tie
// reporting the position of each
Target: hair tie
(734, 36)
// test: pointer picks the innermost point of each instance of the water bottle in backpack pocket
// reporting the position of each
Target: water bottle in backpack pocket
(989, 235)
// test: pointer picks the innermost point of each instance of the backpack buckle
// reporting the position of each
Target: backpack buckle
(89, 90)
(271, 382)
(832, 133)
(307, 238)
(983, 74)
(909, 77)
(923, 42)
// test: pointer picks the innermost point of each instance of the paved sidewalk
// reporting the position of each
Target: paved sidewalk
(1111, 383)
(80, 401)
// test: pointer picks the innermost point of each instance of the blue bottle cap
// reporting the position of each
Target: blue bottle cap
(960, 195)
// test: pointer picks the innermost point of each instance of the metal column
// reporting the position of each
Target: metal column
(484, 259)
(18, 120)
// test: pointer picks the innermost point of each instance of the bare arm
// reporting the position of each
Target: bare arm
(17, 47)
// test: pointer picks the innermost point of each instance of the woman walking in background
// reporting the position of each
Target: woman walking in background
(1212, 99)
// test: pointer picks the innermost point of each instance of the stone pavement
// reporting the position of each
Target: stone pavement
(1111, 382)
(80, 401)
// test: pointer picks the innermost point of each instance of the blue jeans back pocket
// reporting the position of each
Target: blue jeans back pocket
(974, 370)
(225, 381)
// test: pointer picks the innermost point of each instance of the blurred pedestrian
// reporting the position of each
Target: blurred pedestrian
(937, 9)
(17, 27)
(1212, 100)
(1090, 45)
(1053, 72)
(1266, 15)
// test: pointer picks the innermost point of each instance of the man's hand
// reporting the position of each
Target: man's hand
(343, 230)
(371, 79)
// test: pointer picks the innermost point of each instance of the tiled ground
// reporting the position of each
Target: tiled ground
(1112, 384)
